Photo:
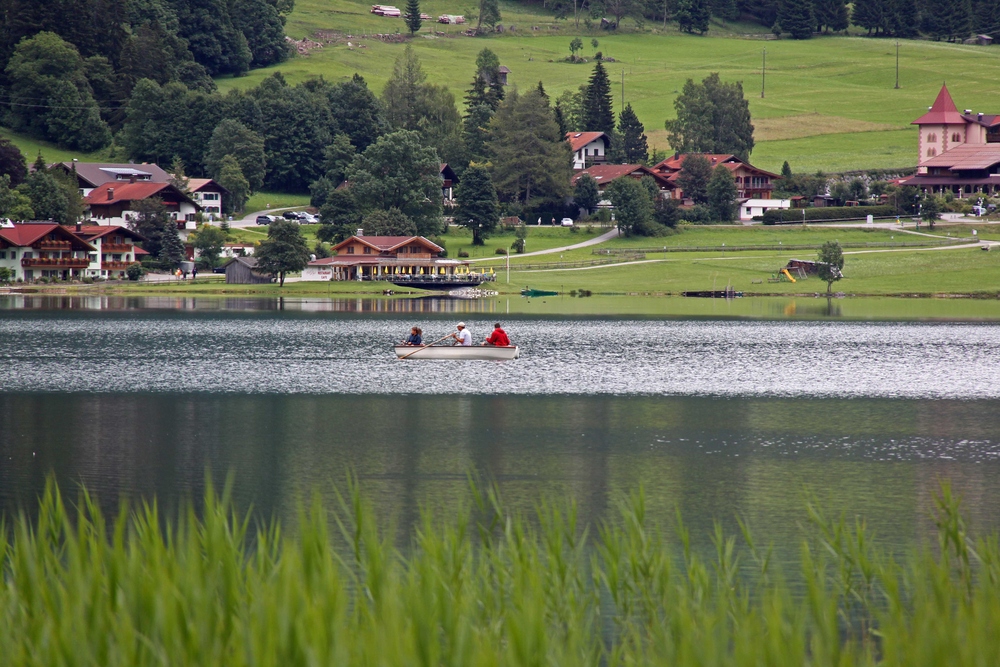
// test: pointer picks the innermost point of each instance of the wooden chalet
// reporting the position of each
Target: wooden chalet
(751, 182)
(116, 249)
(589, 148)
(243, 271)
(383, 258)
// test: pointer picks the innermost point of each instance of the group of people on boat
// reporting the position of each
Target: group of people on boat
(463, 337)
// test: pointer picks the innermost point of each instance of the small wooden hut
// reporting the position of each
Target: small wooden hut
(241, 271)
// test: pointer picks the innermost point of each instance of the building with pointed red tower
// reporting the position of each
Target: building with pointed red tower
(959, 152)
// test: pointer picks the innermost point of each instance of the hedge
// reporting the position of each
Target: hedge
(791, 215)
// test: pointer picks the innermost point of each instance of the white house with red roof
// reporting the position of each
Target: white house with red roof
(382, 257)
(208, 195)
(957, 152)
(43, 250)
(114, 204)
(115, 247)
(588, 148)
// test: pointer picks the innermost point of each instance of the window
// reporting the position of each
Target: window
(932, 137)
(350, 250)
(211, 196)
(956, 137)
(931, 152)
(368, 250)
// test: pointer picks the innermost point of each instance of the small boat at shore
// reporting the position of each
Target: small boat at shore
(474, 352)
(528, 292)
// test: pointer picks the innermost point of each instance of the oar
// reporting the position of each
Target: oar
(423, 346)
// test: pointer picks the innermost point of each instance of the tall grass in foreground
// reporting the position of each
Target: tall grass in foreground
(487, 588)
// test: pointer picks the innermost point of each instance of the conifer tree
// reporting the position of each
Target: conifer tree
(632, 137)
(478, 207)
(725, 9)
(795, 17)
(413, 16)
(692, 16)
(830, 15)
(598, 105)
(487, 87)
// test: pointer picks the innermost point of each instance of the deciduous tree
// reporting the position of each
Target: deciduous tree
(14, 204)
(12, 162)
(208, 241)
(712, 117)
(283, 251)
(586, 193)
(633, 208)
(233, 138)
(398, 171)
(489, 15)
(478, 207)
(829, 264)
(693, 179)
(232, 179)
(391, 222)
(487, 84)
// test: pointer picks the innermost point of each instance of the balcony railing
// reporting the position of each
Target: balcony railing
(54, 245)
(116, 266)
(116, 247)
(53, 263)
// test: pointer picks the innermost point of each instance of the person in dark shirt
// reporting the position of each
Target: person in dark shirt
(415, 337)
(498, 337)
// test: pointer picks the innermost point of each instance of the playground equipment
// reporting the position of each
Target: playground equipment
(788, 275)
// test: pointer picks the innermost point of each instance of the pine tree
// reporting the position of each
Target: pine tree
(725, 9)
(598, 104)
(634, 147)
(795, 17)
(830, 15)
(478, 208)
(487, 86)
(786, 169)
(692, 16)
(413, 15)
(171, 247)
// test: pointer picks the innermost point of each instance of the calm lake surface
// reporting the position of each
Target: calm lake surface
(719, 417)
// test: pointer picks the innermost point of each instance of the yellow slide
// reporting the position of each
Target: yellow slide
(785, 271)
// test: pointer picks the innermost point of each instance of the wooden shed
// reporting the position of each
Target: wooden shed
(241, 271)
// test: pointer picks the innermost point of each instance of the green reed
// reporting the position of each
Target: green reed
(486, 587)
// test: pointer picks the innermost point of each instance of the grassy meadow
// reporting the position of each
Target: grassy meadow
(486, 585)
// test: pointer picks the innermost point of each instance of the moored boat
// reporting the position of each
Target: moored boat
(476, 352)
(528, 292)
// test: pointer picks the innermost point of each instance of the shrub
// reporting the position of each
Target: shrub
(793, 215)
(134, 272)
(698, 214)
(463, 253)
(501, 251)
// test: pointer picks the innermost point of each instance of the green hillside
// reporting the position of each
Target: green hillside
(830, 102)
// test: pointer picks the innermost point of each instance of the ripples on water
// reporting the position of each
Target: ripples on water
(293, 354)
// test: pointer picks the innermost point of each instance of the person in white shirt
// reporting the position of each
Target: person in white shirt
(462, 336)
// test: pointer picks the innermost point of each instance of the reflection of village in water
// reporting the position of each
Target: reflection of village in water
(421, 304)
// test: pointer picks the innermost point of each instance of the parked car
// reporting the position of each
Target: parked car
(567, 222)
(309, 219)
(291, 215)
(265, 219)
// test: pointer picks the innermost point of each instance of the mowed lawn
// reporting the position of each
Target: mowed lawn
(829, 102)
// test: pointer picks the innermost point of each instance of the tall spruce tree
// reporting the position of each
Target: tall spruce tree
(487, 84)
(632, 138)
(725, 9)
(478, 207)
(831, 15)
(413, 16)
(692, 16)
(795, 17)
(598, 110)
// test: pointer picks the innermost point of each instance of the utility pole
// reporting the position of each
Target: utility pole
(763, 70)
(897, 64)
(623, 91)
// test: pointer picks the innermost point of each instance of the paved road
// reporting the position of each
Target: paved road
(606, 236)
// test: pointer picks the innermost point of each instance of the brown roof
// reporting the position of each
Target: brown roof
(389, 243)
(967, 156)
(578, 140)
(196, 184)
(605, 173)
(23, 235)
(98, 173)
(942, 112)
(123, 192)
(90, 232)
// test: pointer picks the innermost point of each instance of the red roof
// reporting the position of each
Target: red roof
(23, 235)
(122, 192)
(605, 173)
(578, 140)
(942, 112)
(673, 164)
(96, 231)
(389, 243)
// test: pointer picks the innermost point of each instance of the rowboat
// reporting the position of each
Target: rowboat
(479, 352)
(528, 292)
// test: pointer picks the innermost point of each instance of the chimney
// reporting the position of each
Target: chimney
(131, 179)
(980, 114)
(968, 111)
(111, 194)
(79, 226)
(360, 232)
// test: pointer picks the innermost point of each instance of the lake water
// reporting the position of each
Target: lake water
(719, 417)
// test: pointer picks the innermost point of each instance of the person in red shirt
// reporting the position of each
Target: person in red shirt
(498, 337)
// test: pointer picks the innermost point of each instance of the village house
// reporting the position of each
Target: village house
(449, 179)
(752, 208)
(588, 148)
(115, 249)
(208, 195)
(606, 173)
(43, 250)
(957, 152)
(114, 204)
(751, 182)
(92, 175)
(382, 258)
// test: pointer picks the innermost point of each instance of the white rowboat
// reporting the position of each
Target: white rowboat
(487, 352)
